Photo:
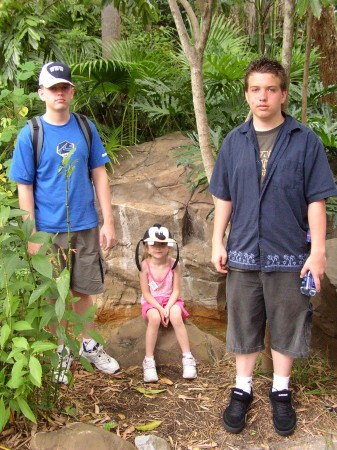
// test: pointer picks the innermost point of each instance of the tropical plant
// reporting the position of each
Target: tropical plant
(27, 285)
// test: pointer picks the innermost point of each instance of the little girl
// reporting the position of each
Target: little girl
(160, 278)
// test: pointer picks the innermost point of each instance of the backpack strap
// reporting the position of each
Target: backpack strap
(36, 131)
(85, 128)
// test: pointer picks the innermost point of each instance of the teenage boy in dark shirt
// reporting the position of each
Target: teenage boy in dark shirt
(270, 181)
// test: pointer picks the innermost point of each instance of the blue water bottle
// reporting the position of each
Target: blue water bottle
(308, 286)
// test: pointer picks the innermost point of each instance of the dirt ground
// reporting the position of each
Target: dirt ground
(188, 413)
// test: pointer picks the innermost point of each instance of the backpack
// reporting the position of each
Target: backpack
(36, 131)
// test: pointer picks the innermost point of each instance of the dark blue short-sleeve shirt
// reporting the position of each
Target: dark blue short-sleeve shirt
(269, 224)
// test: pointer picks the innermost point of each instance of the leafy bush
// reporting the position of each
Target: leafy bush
(27, 285)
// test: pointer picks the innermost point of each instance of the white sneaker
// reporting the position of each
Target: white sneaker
(189, 367)
(150, 372)
(60, 375)
(100, 359)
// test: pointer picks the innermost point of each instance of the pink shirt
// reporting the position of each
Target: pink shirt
(159, 288)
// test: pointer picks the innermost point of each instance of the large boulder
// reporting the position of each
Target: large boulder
(79, 436)
(148, 187)
(127, 344)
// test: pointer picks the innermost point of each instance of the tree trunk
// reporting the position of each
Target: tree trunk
(111, 28)
(194, 54)
(306, 67)
(325, 38)
(288, 38)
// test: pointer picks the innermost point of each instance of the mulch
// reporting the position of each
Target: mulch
(188, 413)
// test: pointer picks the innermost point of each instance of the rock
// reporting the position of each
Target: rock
(310, 443)
(151, 442)
(79, 436)
(325, 314)
(148, 187)
(127, 344)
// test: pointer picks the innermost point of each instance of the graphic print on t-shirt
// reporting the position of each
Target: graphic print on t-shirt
(64, 148)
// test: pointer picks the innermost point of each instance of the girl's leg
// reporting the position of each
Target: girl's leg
(179, 328)
(154, 320)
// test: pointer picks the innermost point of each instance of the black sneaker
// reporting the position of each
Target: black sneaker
(234, 416)
(284, 415)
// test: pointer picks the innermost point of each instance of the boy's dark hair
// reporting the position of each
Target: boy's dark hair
(267, 65)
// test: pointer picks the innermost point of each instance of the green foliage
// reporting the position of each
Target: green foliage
(27, 285)
(147, 10)
(15, 106)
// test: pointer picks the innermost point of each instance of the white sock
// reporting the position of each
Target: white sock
(187, 355)
(280, 383)
(89, 344)
(149, 358)
(244, 383)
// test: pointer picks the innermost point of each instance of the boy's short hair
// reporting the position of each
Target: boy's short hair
(266, 65)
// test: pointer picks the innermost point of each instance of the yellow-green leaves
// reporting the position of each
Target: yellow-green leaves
(148, 426)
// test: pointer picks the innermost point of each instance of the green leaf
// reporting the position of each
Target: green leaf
(42, 265)
(22, 325)
(86, 364)
(23, 405)
(316, 8)
(63, 283)
(38, 292)
(110, 425)
(4, 334)
(148, 426)
(16, 379)
(40, 237)
(96, 336)
(4, 415)
(10, 264)
(302, 6)
(46, 317)
(41, 346)
(35, 371)
(146, 391)
(20, 342)
(59, 308)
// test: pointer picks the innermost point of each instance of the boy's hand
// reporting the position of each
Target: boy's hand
(107, 237)
(317, 265)
(219, 258)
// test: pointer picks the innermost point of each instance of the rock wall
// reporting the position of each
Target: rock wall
(147, 187)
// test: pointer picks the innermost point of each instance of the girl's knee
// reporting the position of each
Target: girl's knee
(153, 316)
(176, 315)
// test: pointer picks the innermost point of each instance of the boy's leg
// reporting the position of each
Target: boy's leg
(80, 307)
(245, 338)
(284, 415)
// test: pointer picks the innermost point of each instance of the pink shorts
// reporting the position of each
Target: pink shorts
(163, 302)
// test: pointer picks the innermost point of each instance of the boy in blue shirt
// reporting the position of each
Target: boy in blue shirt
(41, 192)
(270, 181)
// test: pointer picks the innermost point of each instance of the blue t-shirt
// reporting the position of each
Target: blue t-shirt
(50, 184)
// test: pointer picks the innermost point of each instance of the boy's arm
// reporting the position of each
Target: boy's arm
(102, 189)
(222, 215)
(26, 202)
(316, 261)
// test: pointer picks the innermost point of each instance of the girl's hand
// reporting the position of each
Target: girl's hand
(165, 317)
